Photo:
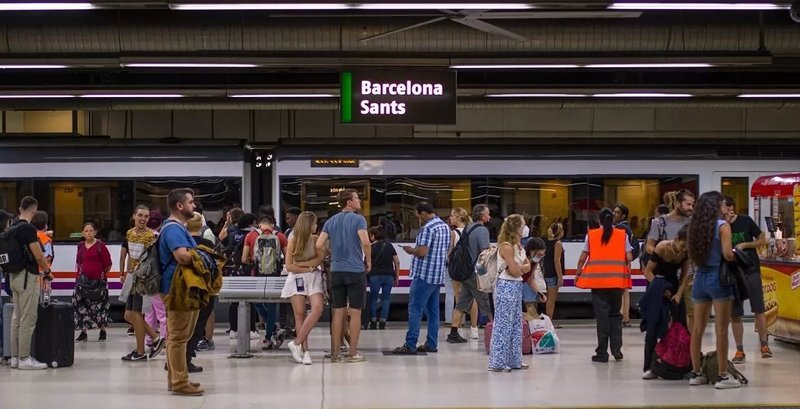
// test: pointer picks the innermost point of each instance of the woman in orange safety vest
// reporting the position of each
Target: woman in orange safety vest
(604, 268)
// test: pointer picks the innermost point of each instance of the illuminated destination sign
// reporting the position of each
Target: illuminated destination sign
(399, 97)
(334, 163)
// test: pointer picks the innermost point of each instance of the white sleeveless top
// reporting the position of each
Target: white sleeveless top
(519, 257)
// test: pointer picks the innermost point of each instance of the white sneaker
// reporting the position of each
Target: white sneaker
(697, 380)
(473, 333)
(233, 334)
(255, 335)
(31, 363)
(649, 375)
(727, 382)
(306, 358)
(14, 363)
(297, 351)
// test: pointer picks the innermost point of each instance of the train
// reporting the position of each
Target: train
(545, 186)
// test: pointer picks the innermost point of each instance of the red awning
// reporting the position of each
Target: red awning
(775, 185)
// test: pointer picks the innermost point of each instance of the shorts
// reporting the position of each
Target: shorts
(313, 283)
(755, 292)
(469, 292)
(552, 282)
(134, 303)
(528, 295)
(348, 289)
(706, 287)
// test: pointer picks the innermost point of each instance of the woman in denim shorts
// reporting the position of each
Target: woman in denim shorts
(709, 247)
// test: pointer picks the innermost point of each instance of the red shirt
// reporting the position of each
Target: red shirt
(250, 241)
(93, 261)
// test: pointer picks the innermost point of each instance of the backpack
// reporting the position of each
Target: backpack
(672, 359)
(661, 225)
(460, 265)
(233, 257)
(711, 371)
(147, 275)
(267, 254)
(13, 255)
(486, 269)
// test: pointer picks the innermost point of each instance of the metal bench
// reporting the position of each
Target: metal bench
(245, 291)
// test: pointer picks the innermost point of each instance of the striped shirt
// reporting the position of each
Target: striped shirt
(435, 235)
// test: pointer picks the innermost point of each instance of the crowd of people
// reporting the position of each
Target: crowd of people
(681, 259)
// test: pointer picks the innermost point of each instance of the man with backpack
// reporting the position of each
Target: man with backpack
(263, 250)
(21, 259)
(476, 239)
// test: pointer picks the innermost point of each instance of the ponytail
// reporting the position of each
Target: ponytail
(606, 219)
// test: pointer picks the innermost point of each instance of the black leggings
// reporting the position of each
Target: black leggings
(199, 329)
(233, 317)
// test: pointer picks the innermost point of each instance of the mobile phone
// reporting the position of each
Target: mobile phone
(300, 284)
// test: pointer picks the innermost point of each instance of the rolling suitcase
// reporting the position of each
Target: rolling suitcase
(8, 311)
(53, 339)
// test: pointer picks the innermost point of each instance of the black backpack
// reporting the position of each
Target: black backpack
(233, 256)
(460, 265)
(14, 257)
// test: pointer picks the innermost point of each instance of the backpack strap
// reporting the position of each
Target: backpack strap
(736, 374)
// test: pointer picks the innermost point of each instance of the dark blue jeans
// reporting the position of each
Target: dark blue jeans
(424, 297)
(269, 313)
(382, 283)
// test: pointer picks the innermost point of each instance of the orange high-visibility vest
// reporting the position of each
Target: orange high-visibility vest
(607, 266)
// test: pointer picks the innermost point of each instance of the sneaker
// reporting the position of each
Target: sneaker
(82, 337)
(626, 324)
(158, 346)
(232, 334)
(739, 358)
(373, 325)
(268, 345)
(473, 333)
(14, 363)
(254, 335)
(766, 352)
(102, 337)
(618, 356)
(297, 351)
(130, 332)
(205, 345)
(455, 339)
(598, 358)
(279, 337)
(192, 368)
(356, 359)
(404, 350)
(306, 358)
(134, 356)
(649, 375)
(697, 379)
(382, 325)
(30, 363)
(727, 382)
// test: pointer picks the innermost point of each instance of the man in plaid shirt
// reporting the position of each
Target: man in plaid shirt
(427, 276)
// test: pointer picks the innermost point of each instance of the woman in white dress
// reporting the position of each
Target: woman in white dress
(304, 284)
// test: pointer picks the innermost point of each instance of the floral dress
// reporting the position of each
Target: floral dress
(92, 262)
(505, 349)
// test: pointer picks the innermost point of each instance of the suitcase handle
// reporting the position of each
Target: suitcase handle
(44, 297)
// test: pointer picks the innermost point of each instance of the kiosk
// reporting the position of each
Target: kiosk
(777, 199)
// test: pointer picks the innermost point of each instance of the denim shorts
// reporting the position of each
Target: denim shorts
(528, 295)
(552, 282)
(706, 286)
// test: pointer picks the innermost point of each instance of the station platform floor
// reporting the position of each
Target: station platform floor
(455, 377)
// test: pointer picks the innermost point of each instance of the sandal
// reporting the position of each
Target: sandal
(356, 359)
(523, 367)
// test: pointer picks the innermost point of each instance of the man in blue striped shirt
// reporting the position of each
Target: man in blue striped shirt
(428, 268)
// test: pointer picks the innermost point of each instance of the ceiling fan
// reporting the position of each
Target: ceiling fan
(475, 19)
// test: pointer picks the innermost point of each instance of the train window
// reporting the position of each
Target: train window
(45, 122)
(403, 194)
(12, 192)
(739, 189)
(215, 195)
(72, 203)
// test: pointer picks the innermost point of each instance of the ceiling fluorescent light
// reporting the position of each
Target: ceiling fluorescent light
(769, 96)
(33, 6)
(697, 6)
(654, 65)
(536, 95)
(642, 95)
(30, 66)
(283, 96)
(132, 96)
(189, 65)
(261, 6)
(512, 66)
(34, 96)
(445, 6)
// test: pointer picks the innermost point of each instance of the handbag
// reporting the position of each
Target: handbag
(87, 288)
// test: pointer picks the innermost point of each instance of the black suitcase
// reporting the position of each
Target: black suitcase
(53, 339)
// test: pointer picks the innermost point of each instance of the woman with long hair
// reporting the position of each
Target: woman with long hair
(304, 283)
(93, 262)
(384, 275)
(604, 267)
(709, 247)
(505, 349)
(553, 267)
